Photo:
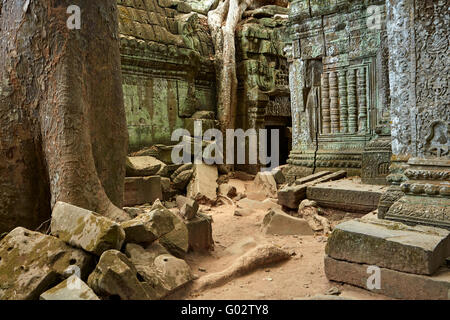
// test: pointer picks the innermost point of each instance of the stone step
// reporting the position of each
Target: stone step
(312, 177)
(393, 245)
(291, 196)
(347, 195)
(394, 284)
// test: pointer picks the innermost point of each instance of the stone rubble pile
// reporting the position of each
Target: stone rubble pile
(89, 257)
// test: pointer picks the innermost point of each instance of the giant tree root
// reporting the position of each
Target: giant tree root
(255, 258)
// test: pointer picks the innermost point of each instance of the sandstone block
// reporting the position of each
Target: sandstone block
(140, 190)
(279, 223)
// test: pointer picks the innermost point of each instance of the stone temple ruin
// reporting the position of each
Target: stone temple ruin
(359, 93)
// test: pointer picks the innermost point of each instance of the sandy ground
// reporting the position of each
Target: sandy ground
(300, 277)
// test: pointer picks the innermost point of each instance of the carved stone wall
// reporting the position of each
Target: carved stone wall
(339, 58)
(168, 73)
(418, 38)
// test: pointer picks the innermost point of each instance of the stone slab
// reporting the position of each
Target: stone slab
(140, 190)
(291, 196)
(393, 245)
(347, 195)
(279, 223)
(394, 284)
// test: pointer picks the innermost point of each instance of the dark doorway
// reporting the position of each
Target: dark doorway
(284, 143)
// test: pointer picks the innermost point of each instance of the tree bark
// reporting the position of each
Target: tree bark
(63, 131)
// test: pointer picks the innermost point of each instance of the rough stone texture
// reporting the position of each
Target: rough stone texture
(177, 241)
(394, 284)
(279, 223)
(73, 288)
(419, 250)
(347, 195)
(85, 229)
(148, 227)
(203, 186)
(200, 233)
(339, 83)
(143, 166)
(31, 263)
(291, 195)
(140, 190)
(188, 207)
(182, 179)
(267, 183)
(278, 175)
(228, 190)
(116, 277)
(162, 271)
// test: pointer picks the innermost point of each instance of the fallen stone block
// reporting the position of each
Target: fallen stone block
(279, 223)
(142, 166)
(392, 245)
(31, 263)
(140, 190)
(203, 186)
(177, 241)
(200, 233)
(278, 175)
(73, 288)
(116, 277)
(394, 284)
(182, 179)
(346, 195)
(161, 270)
(188, 207)
(184, 167)
(267, 183)
(291, 196)
(228, 190)
(148, 227)
(85, 229)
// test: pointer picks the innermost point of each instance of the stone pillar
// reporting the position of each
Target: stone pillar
(343, 101)
(326, 118)
(362, 100)
(334, 103)
(418, 39)
(352, 110)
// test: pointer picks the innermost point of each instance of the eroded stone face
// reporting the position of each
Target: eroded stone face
(116, 277)
(31, 263)
(85, 229)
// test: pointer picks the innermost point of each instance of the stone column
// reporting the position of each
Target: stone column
(352, 109)
(326, 118)
(343, 101)
(334, 103)
(362, 100)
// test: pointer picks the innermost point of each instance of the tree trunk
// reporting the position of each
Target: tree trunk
(63, 131)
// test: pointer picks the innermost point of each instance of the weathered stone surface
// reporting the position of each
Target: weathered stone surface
(394, 284)
(177, 241)
(182, 179)
(140, 190)
(162, 271)
(267, 183)
(228, 190)
(84, 229)
(73, 288)
(419, 250)
(166, 189)
(31, 263)
(184, 167)
(291, 196)
(148, 227)
(188, 207)
(279, 223)
(116, 277)
(278, 175)
(143, 166)
(346, 195)
(203, 186)
(200, 233)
